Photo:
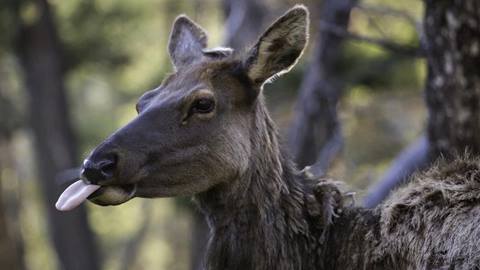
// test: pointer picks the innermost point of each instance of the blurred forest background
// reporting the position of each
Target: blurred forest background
(71, 72)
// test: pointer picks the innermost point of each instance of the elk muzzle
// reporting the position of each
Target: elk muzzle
(97, 183)
(100, 169)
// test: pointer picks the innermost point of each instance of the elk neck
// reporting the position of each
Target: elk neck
(263, 220)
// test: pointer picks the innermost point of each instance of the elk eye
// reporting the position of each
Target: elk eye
(203, 105)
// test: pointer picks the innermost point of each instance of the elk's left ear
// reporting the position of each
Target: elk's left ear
(187, 41)
(279, 48)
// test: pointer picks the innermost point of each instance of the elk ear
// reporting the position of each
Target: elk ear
(187, 41)
(279, 48)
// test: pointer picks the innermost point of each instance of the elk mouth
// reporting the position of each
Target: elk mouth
(113, 194)
(80, 191)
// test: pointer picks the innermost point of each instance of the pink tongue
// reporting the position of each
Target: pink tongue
(74, 195)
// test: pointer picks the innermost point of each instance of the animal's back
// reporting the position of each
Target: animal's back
(434, 222)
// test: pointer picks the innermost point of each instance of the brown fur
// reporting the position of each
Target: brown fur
(262, 212)
(430, 224)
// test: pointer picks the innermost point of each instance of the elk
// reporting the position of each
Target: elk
(205, 132)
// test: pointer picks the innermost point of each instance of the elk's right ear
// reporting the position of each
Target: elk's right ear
(187, 41)
(279, 48)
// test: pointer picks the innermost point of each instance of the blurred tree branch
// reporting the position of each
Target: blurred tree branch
(389, 11)
(315, 134)
(386, 44)
(415, 157)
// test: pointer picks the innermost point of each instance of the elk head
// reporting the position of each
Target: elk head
(194, 131)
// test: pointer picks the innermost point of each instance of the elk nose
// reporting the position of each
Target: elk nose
(99, 171)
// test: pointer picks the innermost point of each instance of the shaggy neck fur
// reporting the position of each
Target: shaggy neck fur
(269, 217)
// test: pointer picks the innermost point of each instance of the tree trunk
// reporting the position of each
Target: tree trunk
(452, 91)
(315, 134)
(11, 250)
(452, 29)
(39, 50)
(244, 20)
(9, 257)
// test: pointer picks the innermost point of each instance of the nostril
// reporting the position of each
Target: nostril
(107, 168)
(92, 174)
(95, 172)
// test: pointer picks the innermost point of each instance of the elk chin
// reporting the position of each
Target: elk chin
(113, 195)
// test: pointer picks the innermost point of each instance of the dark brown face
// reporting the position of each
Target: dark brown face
(190, 134)
(193, 132)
